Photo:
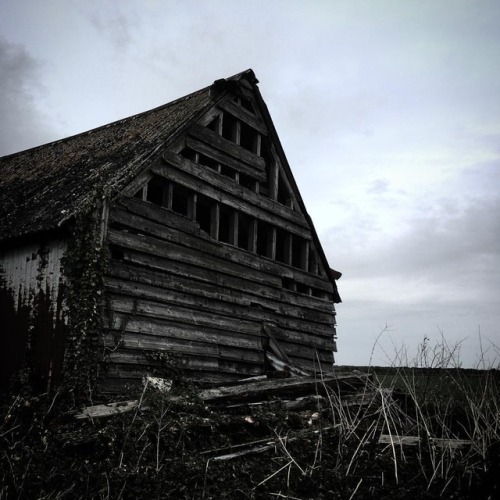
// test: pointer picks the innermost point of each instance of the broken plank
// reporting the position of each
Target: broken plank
(295, 386)
(107, 410)
(259, 446)
(416, 441)
(301, 403)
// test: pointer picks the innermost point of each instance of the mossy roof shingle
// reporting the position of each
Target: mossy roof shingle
(42, 187)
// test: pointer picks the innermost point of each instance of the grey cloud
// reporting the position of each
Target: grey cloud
(451, 241)
(114, 26)
(378, 186)
(21, 125)
(480, 179)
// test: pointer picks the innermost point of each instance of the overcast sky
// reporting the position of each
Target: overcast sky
(388, 111)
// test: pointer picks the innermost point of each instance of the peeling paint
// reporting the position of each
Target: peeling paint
(32, 316)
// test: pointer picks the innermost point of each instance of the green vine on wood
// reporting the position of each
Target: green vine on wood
(84, 264)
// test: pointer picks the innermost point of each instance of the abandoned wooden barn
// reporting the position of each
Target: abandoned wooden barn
(198, 244)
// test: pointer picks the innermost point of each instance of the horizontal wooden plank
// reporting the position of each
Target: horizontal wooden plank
(139, 345)
(106, 410)
(130, 305)
(190, 365)
(137, 329)
(207, 245)
(214, 322)
(261, 295)
(160, 215)
(210, 290)
(146, 331)
(447, 444)
(185, 300)
(192, 353)
(144, 345)
(118, 379)
(143, 326)
(189, 358)
(226, 159)
(297, 332)
(231, 187)
(199, 184)
(187, 255)
(164, 332)
(198, 274)
(208, 136)
(294, 386)
(244, 115)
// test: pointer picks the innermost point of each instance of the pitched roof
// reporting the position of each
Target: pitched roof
(43, 187)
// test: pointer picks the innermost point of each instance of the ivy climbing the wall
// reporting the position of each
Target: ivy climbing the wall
(84, 265)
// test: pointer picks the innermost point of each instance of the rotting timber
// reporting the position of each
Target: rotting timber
(206, 256)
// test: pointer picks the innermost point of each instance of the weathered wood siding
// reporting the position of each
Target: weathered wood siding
(173, 288)
(31, 311)
(207, 251)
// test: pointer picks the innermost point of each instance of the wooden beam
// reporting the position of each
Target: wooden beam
(152, 220)
(233, 289)
(107, 410)
(397, 440)
(205, 181)
(210, 116)
(228, 147)
(224, 306)
(296, 386)
(244, 115)
(226, 159)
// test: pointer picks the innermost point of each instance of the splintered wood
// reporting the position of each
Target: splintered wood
(234, 410)
(391, 439)
(294, 386)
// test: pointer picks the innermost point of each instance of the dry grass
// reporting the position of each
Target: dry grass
(158, 450)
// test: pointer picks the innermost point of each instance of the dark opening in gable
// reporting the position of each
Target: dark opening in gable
(284, 195)
(180, 199)
(229, 124)
(244, 222)
(156, 188)
(204, 207)
(226, 226)
(282, 245)
(247, 182)
(298, 252)
(247, 104)
(214, 124)
(248, 138)
(264, 235)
